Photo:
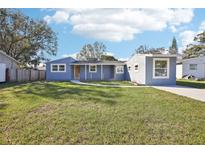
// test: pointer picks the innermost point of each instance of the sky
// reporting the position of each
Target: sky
(121, 30)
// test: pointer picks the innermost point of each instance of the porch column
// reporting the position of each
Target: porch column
(101, 72)
(85, 72)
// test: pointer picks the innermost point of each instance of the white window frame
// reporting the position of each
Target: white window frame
(92, 71)
(58, 71)
(119, 72)
(168, 63)
(193, 69)
(137, 69)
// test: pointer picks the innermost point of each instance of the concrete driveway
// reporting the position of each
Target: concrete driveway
(198, 94)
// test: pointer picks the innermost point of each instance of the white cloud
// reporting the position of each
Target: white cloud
(58, 17)
(173, 28)
(180, 16)
(120, 24)
(187, 37)
(202, 26)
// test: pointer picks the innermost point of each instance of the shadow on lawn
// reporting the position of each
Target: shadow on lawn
(62, 91)
(12, 84)
(2, 106)
(200, 85)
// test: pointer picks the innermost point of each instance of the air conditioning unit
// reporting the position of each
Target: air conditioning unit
(2, 72)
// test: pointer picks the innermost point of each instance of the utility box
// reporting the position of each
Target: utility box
(2, 72)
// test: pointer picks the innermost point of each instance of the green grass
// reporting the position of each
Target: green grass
(65, 113)
(192, 83)
(120, 83)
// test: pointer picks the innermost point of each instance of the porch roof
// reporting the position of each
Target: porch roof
(98, 63)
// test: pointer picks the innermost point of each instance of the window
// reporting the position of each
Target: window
(58, 67)
(61, 68)
(54, 68)
(92, 68)
(193, 67)
(119, 69)
(136, 67)
(160, 68)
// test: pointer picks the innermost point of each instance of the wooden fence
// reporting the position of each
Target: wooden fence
(23, 75)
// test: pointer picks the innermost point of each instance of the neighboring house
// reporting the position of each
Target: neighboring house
(10, 62)
(179, 67)
(6, 63)
(194, 66)
(179, 74)
(144, 69)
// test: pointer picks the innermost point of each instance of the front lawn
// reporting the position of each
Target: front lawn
(65, 113)
(192, 83)
(114, 83)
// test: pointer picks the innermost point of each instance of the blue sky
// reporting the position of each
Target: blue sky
(121, 30)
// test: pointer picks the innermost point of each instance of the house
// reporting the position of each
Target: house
(194, 66)
(152, 69)
(144, 69)
(179, 66)
(10, 62)
(179, 74)
(6, 63)
(67, 69)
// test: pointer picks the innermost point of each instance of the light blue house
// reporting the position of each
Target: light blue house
(145, 69)
(67, 69)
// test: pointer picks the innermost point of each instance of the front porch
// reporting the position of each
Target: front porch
(96, 72)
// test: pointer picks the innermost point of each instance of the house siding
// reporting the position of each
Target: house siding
(179, 71)
(60, 76)
(200, 72)
(10, 64)
(132, 74)
(90, 75)
(120, 76)
(108, 73)
(149, 72)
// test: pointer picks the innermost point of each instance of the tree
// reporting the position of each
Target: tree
(89, 51)
(193, 51)
(160, 50)
(143, 49)
(27, 40)
(108, 58)
(196, 49)
(173, 49)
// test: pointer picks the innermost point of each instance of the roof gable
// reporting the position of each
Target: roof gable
(67, 59)
(3, 53)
